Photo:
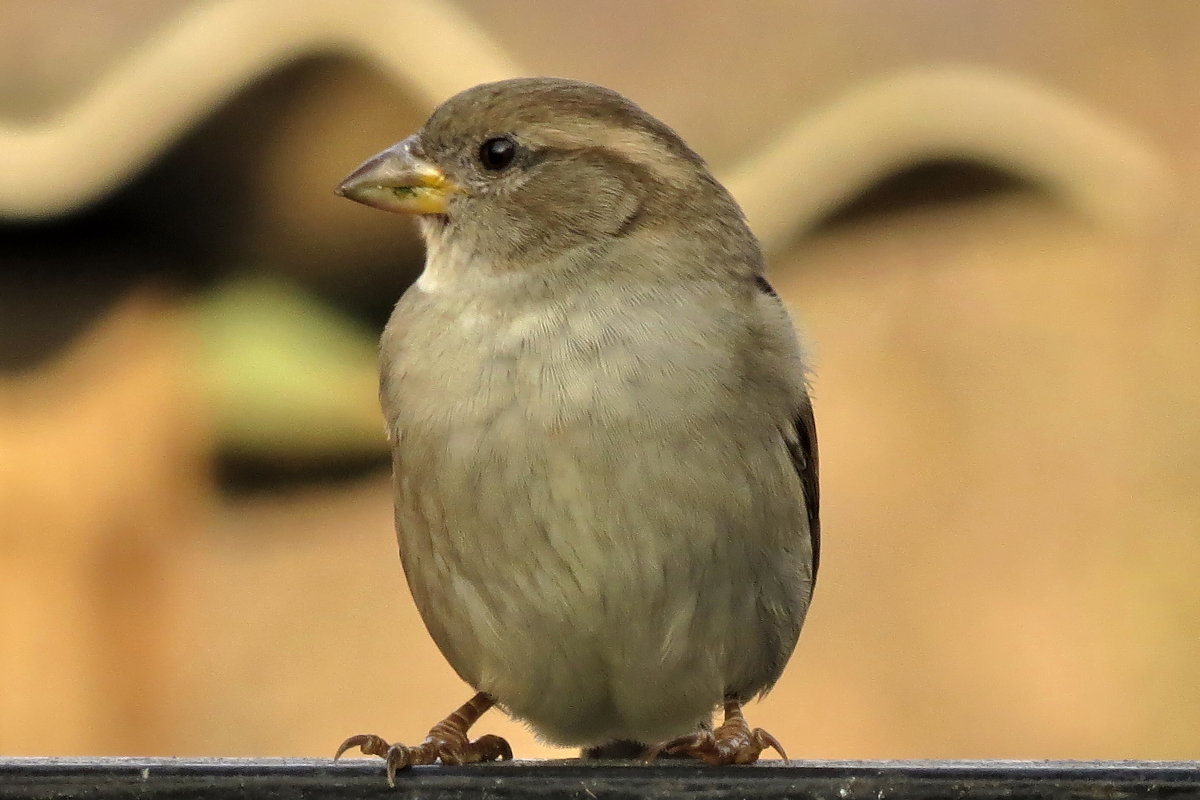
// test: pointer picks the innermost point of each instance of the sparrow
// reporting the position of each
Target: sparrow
(603, 448)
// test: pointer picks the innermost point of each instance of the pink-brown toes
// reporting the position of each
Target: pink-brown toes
(682, 744)
(399, 757)
(447, 742)
(454, 752)
(729, 744)
(491, 747)
(450, 751)
(368, 743)
(746, 751)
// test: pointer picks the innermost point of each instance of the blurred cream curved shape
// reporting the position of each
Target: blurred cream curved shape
(826, 158)
(205, 56)
(817, 163)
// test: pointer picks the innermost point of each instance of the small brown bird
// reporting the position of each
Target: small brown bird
(605, 462)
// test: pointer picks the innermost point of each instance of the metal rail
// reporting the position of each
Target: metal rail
(263, 779)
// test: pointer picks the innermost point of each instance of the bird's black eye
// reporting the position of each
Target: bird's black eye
(497, 153)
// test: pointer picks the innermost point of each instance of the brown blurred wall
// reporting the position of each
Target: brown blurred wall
(1006, 396)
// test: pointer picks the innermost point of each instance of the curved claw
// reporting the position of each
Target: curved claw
(763, 740)
(368, 743)
(729, 744)
(451, 751)
(447, 742)
(399, 757)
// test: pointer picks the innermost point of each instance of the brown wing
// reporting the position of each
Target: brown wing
(801, 443)
(803, 450)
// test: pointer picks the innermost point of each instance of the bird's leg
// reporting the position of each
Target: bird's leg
(447, 742)
(732, 742)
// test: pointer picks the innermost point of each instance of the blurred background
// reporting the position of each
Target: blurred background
(984, 214)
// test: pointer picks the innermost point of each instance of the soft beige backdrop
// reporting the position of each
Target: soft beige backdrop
(1006, 397)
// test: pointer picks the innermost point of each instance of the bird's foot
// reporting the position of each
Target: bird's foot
(733, 742)
(437, 748)
(447, 743)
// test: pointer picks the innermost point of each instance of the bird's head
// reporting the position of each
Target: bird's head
(525, 169)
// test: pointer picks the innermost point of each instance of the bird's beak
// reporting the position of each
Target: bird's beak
(400, 181)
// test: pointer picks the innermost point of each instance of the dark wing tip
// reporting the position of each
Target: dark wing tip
(803, 450)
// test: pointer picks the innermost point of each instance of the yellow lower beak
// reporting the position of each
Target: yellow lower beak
(399, 181)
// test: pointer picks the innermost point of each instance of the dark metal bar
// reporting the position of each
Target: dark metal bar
(263, 779)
